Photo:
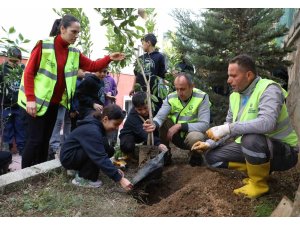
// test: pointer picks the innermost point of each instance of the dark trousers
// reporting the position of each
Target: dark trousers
(80, 161)
(14, 127)
(127, 143)
(255, 149)
(184, 142)
(5, 160)
(39, 131)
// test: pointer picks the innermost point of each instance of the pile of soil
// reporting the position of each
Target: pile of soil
(198, 191)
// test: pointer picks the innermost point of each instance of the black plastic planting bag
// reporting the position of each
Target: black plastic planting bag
(153, 166)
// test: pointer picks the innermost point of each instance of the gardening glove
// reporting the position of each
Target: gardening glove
(216, 133)
(200, 146)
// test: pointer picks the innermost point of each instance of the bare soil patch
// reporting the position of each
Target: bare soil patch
(198, 191)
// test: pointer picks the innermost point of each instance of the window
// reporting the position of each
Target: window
(127, 103)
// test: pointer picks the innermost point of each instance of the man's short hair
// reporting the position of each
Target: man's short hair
(139, 99)
(245, 61)
(150, 37)
(187, 76)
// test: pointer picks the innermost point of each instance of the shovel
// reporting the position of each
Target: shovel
(152, 166)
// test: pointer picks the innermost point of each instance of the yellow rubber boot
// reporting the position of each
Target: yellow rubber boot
(257, 184)
(240, 167)
(246, 180)
(237, 166)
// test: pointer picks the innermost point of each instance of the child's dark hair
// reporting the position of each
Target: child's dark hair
(139, 99)
(150, 37)
(113, 112)
(14, 52)
(65, 21)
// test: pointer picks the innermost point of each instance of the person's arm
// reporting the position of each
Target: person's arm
(269, 108)
(203, 118)
(162, 114)
(135, 124)
(229, 117)
(94, 148)
(114, 87)
(31, 70)
(93, 66)
(162, 67)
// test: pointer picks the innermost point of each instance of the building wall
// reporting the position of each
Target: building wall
(124, 82)
(293, 100)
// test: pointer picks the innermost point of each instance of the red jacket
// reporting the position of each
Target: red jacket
(61, 52)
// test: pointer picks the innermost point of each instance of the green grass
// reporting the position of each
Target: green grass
(54, 195)
(265, 207)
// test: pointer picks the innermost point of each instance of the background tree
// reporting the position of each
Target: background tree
(122, 32)
(9, 39)
(211, 38)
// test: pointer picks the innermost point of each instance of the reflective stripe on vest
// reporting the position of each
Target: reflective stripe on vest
(46, 77)
(189, 113)
(283, 130)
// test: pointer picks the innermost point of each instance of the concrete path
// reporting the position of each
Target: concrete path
(12, 178)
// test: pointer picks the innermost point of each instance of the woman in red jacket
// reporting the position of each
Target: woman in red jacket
(49, 79)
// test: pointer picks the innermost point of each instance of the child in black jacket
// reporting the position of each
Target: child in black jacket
(84, 151)
(132, 132)
(90, 93)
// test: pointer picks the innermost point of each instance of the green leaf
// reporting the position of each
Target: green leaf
(10, 41)
(154, 98)
(21, 37)
(26, 41)
(3, 29)
(103, 22)
(116, 30)
(140, 28)
(11, 30)
(123, 24)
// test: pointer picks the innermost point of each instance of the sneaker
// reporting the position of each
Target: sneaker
(79, 181)
(71, 173)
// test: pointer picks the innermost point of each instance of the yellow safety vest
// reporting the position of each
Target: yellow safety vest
(46, 77)
(283, 130)
(188, 113)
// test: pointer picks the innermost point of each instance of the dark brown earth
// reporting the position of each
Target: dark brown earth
(198, 191)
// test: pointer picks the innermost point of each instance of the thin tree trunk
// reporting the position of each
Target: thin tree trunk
(150, 140)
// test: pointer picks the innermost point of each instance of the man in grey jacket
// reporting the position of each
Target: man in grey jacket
(183, 117)
(258, 117)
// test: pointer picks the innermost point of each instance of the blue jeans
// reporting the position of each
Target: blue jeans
(14, 127)
(63, 119)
